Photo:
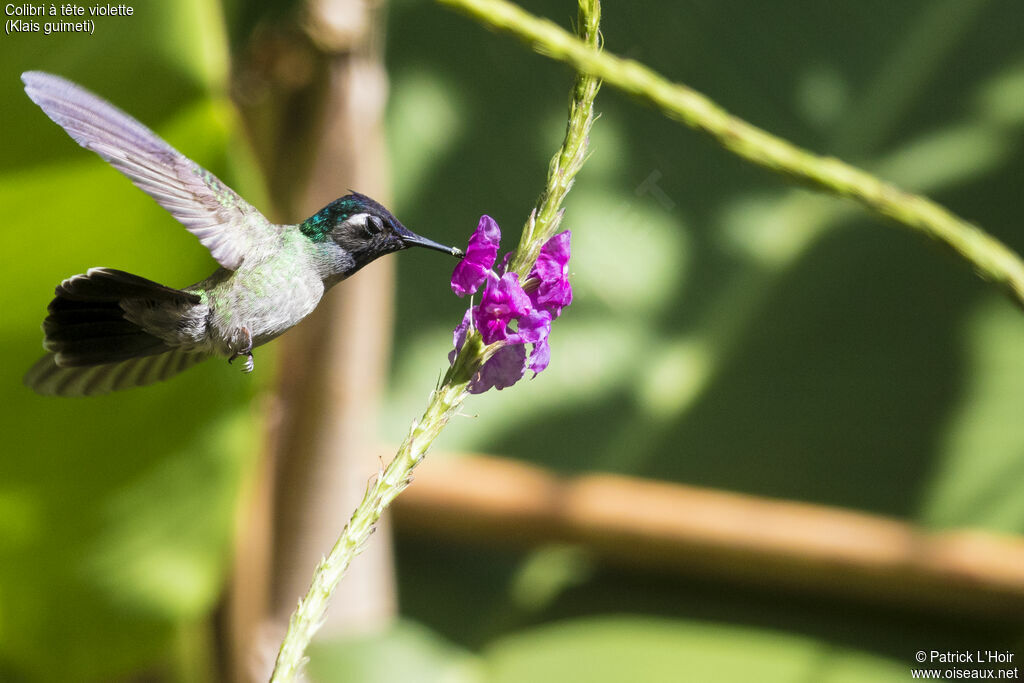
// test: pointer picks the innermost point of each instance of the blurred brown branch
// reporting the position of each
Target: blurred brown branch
(644, 523)
(312, 92)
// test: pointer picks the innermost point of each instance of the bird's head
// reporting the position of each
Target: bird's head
(364, 230)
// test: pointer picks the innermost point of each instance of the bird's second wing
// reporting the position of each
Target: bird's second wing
(225, 223)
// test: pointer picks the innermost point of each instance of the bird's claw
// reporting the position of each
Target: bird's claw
(245, 351)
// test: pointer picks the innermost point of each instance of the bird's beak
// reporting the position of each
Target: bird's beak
(411, 239)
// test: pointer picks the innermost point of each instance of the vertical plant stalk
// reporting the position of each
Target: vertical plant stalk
(544, 220)
(447, 398)
(386, 486)
(992, 259)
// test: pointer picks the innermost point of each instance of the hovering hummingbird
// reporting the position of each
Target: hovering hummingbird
(108, 330)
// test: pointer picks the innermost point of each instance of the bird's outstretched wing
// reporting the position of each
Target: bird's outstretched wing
(225, 223)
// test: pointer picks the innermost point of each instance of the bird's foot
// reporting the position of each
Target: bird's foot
(249, 362)
(245, 351)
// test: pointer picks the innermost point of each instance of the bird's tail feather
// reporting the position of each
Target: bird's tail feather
(93, 348)
(48, 378)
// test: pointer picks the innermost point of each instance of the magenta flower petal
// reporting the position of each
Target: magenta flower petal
(472, 270)
(468, 277)
(553, 260)
(506, 367)
(540, 357)
(503, 266)
(554, 292)
(503, 300)
(459, 336)
(552, 297)
(533, 327)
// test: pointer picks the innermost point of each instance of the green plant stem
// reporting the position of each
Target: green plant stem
(309, 614)
(992, 259)
(546, 216)
(447, 398)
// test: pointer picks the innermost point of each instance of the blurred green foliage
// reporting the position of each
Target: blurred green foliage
(728, 330)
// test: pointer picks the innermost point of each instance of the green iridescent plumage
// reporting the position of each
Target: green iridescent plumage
(318, 226)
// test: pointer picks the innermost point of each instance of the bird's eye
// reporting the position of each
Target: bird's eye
(374, 225)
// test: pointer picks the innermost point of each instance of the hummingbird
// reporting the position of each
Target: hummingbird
(108, 330)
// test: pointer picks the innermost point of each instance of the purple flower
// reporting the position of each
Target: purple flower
(503, 369)
(540, 357)
(552, 270)
(533, 327)
(472, 270)
(504, 303)
(459, 336)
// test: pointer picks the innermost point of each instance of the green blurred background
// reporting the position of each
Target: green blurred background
(728, 330)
